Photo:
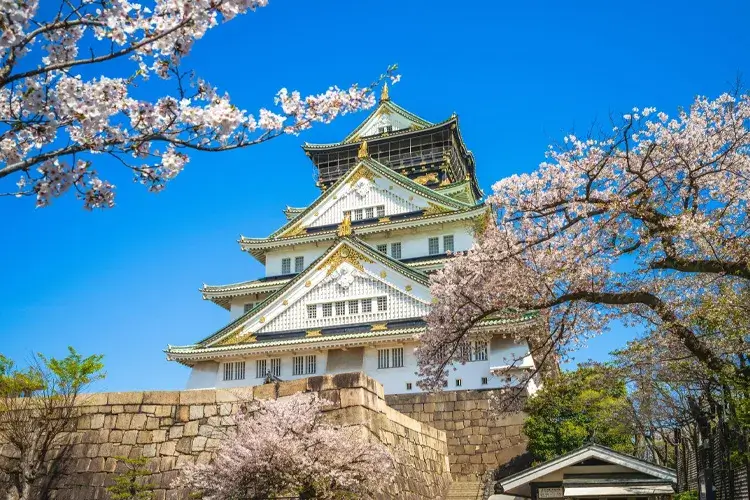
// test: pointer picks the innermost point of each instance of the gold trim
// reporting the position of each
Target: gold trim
(384, 219)
(308, 283)
(433, 209)
(408, 288)
(362, 153)
(345, 228)
(384, 92)
(424, 179)
(383, 274)
(262, 319)
(286, 302)
(313, 333)
(296, 230)
(362, 172)
(344, 255)
(378, 327)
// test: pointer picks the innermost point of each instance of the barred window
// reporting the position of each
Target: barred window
(479, 350)
(408, 386)
(459, 382)
(358, 214)
(248, 307)
(433, 245)
(380, 209)
(397, 357)
(353, 307)
(384, 358)
(260, 368)
(396, 250)
(366, 305)
(327, 310)
(369, 212)
(382, 303)
(299, 264)
(312, 311)
(286, 265)
(448, 243)
(298, 365)
(310, 364)
(485, 380)
(234, 371)
(383, 248)
(276, 367)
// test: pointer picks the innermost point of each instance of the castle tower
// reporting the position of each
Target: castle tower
(346, 283)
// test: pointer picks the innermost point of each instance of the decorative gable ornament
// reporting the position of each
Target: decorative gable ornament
(362, 187)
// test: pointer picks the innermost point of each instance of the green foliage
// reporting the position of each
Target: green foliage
(687, 495)
(130, 484)
(50, 376)
(586, 405)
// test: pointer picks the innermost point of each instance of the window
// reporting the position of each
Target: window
(304, 365)
(397, 357)
(383, 248)
(248, 307)
(276, 367)
(366, 305)
(312, 311)
(286, 265)
(353, 307)
(448, 243)
(327, 310)
(260, 368)
(433, 245)
(340, 308)
(484, 380)
(310, 362)
(459, 382)
(380, 209)
(299, 264)
(234, 371)
(358, 214)
(408, 386)
(384, 358)
(369, 212)
(391, 358)
(396, 250)
(385, 128)
(479, 351)
(298, 365)
(382, 303)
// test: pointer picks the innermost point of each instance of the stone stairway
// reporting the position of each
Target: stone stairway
(465, 490)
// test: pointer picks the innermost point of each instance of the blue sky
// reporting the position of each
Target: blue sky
(124, 282)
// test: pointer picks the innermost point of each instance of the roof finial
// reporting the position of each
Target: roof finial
(384, 93)
(345, 228)
(362, 153)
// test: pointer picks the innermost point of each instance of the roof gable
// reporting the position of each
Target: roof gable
(348, 263)
(386, 114)
(383, 185)
(513, 483)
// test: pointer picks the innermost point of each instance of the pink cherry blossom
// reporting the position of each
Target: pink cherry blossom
(50, 116)
(285, 447)
(638, 225)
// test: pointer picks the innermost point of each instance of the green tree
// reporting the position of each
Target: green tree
(577, 407)
(37, 405)
(130, 484)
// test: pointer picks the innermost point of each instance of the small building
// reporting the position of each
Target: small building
(592, 472)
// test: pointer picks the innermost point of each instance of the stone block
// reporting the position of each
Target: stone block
(95, 399)
(183, 413)
(125, 398)
(129, 437)
(123, 420)
(196, 412)
(265, 391)
(138, 421)
(176, 432)
(161, 397)
(184, 445)
(163, 411)
(198, 397)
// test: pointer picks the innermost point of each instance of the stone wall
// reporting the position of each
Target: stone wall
(478, 439)
(174, 429)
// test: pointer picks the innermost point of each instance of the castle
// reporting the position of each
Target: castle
(346, 283)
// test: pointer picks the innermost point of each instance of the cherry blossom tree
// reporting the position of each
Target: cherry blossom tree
(635, 225)
(57, 125)
(286, 447)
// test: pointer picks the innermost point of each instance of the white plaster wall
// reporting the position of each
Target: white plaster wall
(504, 352)
(209, 375)
(310, 252)
(353, 199)
(203, 375)
(416, 245)
(237, 306)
